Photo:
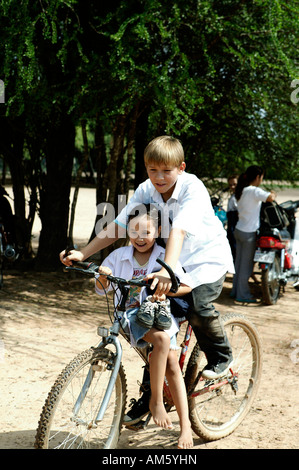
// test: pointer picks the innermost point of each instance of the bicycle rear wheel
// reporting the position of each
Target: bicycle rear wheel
(60, 428)
(217, 407)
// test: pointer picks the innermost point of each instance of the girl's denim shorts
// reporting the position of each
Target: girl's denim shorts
(137, 332)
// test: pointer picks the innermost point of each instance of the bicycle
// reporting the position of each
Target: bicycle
(86, 405)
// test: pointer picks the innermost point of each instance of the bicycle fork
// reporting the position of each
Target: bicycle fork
(107, 339)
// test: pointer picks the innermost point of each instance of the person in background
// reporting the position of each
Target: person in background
(6, 215)
(232, 213)
(249, 198)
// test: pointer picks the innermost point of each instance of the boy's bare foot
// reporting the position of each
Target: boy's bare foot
(160, 416)
(185, 439)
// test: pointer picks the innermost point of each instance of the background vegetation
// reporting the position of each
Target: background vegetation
(89, 83)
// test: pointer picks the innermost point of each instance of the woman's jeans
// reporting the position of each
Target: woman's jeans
(245, 249)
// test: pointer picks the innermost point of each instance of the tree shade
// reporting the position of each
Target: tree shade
(216, 74)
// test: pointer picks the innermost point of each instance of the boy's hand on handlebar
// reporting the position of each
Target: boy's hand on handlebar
(161, 282)
(71, 255)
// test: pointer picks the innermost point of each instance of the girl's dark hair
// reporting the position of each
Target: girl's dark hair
(146, 209)
(245, 179)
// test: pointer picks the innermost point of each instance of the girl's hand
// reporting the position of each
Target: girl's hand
(105, 270)
(103, 281)
(161, 297)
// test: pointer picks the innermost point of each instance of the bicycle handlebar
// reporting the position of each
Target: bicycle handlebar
(175, 282)
(93, 269)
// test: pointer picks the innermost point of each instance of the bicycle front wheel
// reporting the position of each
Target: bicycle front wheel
(217, 407)
(61, 427)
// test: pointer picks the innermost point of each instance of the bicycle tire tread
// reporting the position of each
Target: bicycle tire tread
(63, 377)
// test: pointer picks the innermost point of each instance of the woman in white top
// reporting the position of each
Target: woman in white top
(249, 198)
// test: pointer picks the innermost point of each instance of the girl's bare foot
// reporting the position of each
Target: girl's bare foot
(185, 439)
(160, 416)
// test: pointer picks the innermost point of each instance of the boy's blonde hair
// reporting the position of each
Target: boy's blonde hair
(164, 150)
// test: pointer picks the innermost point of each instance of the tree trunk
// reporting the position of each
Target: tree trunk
(141, 141)
(112, 177)
(109, 181)
(130, 148)
(55, 196)
(11, 146)
(77, 183)
(101, 160)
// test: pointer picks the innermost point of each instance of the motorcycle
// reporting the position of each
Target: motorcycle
(278, 248)
(8, 251)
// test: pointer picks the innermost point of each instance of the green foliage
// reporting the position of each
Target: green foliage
(216, 74)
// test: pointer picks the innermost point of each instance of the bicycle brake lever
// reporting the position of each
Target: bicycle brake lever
(86, 267)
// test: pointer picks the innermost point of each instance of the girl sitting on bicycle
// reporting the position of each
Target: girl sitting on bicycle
(149, 318)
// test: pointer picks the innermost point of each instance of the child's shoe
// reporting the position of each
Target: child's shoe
(146, 314)
(163, 319)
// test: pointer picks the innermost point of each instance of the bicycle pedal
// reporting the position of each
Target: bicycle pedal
(142, 424)
(137, 426)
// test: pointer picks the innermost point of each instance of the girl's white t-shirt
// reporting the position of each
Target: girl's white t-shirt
(139, 272)
(249, 206)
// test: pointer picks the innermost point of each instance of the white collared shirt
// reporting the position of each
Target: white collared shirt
(206, 253)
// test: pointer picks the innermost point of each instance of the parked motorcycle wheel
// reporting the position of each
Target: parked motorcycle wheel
(270, 282)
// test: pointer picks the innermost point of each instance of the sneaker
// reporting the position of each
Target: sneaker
(163, 319)
(146, 313)
(219, 369)
(139, 409)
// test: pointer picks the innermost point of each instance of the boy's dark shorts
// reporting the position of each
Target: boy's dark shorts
(180, 306)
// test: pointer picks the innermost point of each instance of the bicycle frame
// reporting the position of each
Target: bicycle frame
(210, 385)
(115, 341)
(111, 337)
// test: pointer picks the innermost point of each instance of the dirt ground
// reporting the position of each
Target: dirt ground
(46, 319)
